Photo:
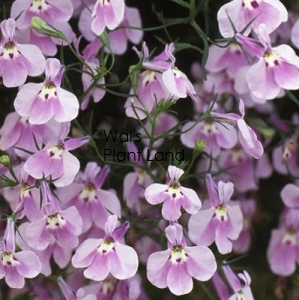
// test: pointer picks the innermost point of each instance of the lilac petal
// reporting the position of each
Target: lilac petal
(14, 72)
(8, 28)
(171, 209)
(40, 111)
(290, 195)
(36, 62)
(172, 84)
(25, 98)
(74, 143)
(157, 268)
(13, 279)
(174, 233)
(201, 227)
(212, 190)
(225, 191)
(30, 265)
(110, 201)
(226, 136)
(124, 262)
(37, 236)
(62, 255)
(232, 278)
(174, 173)
(191, 202)
(154, 194)
(201, 263)
(223, 244)
(179, 280)
(86, 252)
(67, 108)
(261, 81)
(10, 131)
(133, 19)
(236, 220)
(287, 76)
(54, 71)
(71, 167)
(99, 268)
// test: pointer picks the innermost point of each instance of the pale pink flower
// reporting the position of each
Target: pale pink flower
(107, 13)
(175, 267)
(17, 61)
(107, 255)
(242, 12)
(173, 195)
(40, 102)
(222, 222)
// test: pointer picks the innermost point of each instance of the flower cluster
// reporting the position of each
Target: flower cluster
(141, 156)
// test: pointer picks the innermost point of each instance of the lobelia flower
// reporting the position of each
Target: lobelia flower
(86, 194)
(55, 162)
(107, 13)
(17, 61)
(215, 134)
(118, 39)
(18, 133)
(107, 255)
(283, 249)
(162, 81)
(48, 10)
(41, 102)
(240, 284)
(14, 266)
(222, 222)
(66, 290)
(276, 68)
(220, 287)
(175, 267)
(247, 136)
(173, 195)
(242, 12)
(55, 226)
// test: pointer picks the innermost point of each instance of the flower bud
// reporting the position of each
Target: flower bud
(5, 160)
(200, 146)
(42, 27)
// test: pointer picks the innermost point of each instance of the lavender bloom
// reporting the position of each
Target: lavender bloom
(108, 255)
(276, 68)
(283, 250)
(176, 266)
(55, 161)
(86, 194)
(173, 195)
(107, 14)
(14, 266)
(241, 288)
(242, 12)
(44, 101)
(17, 61)
(221, 222)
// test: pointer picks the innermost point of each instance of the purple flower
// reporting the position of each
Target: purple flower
(215, 134)
(276, 68)
(247, 136)
(56, 226)
(49, 10)
(107, 13)
(55, 161)
(283, 250)
(240, 284)
(176, 266)
(14, 266)
(17, 61)
(86, 194)
(44, 101)
(221, 222)
(173, 195)
(108, 255)
(242, 12)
